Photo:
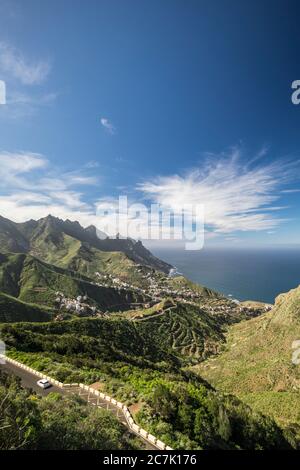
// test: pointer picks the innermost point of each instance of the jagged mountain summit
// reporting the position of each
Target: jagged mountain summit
(106, 310)
(53, 239)
(56, 264)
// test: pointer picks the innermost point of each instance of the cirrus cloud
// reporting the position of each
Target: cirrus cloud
(236, 196)
(30, 189)
(16, 65)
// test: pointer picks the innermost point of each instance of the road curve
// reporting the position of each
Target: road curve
(29, 380)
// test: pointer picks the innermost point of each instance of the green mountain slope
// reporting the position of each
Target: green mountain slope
(11, 238)
(183, 329)
(14, 310)
(89, 260)
(128, 363)
(58, 242)
(34, 281)
(256, 363)
(54, 256)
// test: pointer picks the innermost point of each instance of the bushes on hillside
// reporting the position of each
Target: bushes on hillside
(55, 422)
(185, 414)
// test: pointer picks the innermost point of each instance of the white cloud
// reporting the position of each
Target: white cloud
(16, 163)
(13, 167)
(108, 126)
(290, 191)
(14, 64)
(20, 104)
(30, 189)
(236, 197)
(24, 206)
(18, 73)
(92, 164)
(71, 199)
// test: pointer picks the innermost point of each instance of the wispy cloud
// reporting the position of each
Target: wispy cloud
(108, 125)
(20, 104)
(22, 76)
(92, 164)
(236, 196)
(290, 191)
(13, 63)
(30, 188)
(14, 167)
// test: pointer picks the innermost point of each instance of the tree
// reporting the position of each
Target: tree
(164, 402)
(20, 421)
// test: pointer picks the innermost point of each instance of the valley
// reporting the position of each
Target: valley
(195, 366)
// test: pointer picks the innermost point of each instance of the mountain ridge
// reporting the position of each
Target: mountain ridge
(27, 237)
(141, 328)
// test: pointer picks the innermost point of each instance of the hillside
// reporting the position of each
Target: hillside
(167, 332)
(256, 363)
(147, 337)
(120, 357)
(34, 281)
(56, 262)
(14, 310)
(185, 330)
(56, 422)
(59, 242)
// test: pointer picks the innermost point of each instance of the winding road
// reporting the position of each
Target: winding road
(29, 381)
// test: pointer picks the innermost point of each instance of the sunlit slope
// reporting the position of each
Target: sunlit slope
(63, 242)
(183, 329)
(141, 369)
(34, 281)
(256, 362)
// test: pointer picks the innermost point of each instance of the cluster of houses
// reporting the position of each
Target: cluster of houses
(154, 287)
(78, 305)
(234, 306)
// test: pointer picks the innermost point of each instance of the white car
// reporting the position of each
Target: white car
(44, 383)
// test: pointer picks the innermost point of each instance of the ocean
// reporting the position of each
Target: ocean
(244, 274)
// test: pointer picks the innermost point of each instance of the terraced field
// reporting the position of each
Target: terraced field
(183, 328)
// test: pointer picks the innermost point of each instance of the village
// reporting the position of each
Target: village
(80, 306)
(154, 287)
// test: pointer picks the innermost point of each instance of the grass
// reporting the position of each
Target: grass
(34, 281)
(256, 361)
(137, 362)
(283, 407)
(14, 310)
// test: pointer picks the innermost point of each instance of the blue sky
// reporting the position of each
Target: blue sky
(165, 101)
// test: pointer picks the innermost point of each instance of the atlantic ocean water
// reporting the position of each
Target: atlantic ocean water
(245, 274)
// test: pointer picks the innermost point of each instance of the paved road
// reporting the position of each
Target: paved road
(29, 380)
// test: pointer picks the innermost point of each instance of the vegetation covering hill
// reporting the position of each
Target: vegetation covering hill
(149, 346)
(59, 242)
(167, 332)
(56, 262)
(128, 363)
(14, 310)
(257, 365)
(184, 329)
(28, 421)
(34, 281)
